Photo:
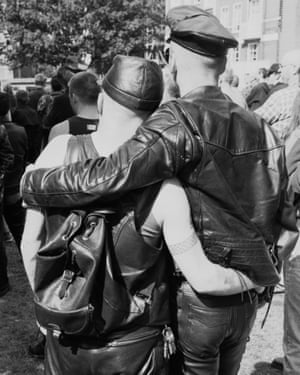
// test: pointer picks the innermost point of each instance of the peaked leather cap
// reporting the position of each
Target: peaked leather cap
(199, 31)
(134, 82)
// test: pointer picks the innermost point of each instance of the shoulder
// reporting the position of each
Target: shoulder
(16, 129)
(54, 153)
(59, 129)
(171, 201)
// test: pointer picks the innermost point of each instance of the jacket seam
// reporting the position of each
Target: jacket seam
(243, 152)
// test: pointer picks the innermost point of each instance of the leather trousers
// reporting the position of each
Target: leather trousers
(3, 256)
(136, 353)
(212, 340)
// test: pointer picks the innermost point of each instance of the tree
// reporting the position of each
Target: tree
(46, 32)
(122, 27)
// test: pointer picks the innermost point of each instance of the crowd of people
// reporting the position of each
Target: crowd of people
(204, 180)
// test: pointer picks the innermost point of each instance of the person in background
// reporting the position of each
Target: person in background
(12, 98)
(6, 160)
(259, 92)
(13, 211)
(213, 146)
(61, 108)
(28, 118)
(40, 82)
(45, 103)
(235, 81)
(232, 92)
(171, 89)
(290, 363)
(83, 94)
(277, 110)
(275, 79)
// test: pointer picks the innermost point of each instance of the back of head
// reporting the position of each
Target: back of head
(262, 73)
(40, 79)
(4, 104)
(274, 69)
(56, 84)
(235, 81)
(63, 75)
(134, 83)
(85, 86)
(22, 97)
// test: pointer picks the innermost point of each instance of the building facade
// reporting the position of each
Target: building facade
(265, 29)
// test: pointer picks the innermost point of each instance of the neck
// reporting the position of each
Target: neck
(190, 80)
(114, 129)
(88, 111)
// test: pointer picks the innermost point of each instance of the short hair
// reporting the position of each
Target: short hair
(56, 84)
(22, 97)
(40, 79)
(263, 72)
(85, 86)
(4, 103)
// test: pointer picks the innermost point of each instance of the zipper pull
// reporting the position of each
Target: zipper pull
(67, 279)
(169, 342)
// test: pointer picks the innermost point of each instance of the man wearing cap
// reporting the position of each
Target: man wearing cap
(232, 168)
(275, 79)
(277, 109)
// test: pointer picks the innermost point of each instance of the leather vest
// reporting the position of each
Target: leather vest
(143, 262)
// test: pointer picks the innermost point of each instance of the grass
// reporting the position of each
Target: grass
(17, 322)
(18, 330)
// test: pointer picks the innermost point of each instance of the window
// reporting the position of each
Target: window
(254, 9)
(236, 17)
(236, 54)
(252, 52)
(224, 17)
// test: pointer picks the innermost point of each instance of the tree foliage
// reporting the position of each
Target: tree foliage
(48, 31)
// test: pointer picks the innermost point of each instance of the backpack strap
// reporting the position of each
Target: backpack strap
(80, 147)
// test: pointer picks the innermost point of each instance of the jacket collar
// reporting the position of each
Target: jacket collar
(205, 92)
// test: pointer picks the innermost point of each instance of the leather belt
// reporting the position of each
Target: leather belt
(249, 296)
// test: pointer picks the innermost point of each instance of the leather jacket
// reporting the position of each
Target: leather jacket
(229, 161)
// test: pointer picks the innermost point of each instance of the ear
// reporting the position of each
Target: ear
(100, 103)
(73, 97)
(223, 63)
(172, 66)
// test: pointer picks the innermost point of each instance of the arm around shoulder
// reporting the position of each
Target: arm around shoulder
(160, 148)
(172, 211)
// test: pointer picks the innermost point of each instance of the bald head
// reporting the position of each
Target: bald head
(189, 61)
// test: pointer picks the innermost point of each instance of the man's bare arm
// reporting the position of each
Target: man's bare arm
(172, 211)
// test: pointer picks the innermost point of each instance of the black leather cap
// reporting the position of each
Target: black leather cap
(199, 31)
(134, 82)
